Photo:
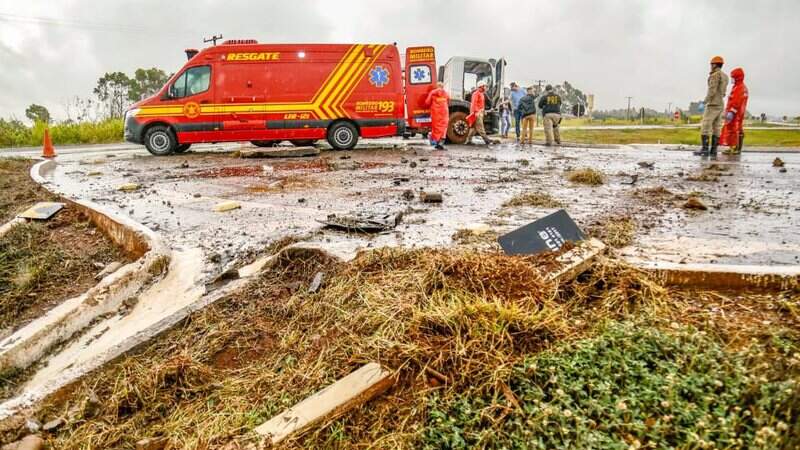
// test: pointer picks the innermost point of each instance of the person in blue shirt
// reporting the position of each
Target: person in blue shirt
(516, 94)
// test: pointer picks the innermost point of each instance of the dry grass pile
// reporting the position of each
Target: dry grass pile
(471, 317)
(614, 231)
(536, 199)
(587, 176)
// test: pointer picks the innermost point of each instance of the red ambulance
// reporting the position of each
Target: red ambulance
(267, 93)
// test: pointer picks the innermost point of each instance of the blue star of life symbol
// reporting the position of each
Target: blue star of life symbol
(379, 76)
(420, 74)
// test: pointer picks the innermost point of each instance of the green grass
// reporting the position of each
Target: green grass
(632, 387)
(686, 136)
(17, 135)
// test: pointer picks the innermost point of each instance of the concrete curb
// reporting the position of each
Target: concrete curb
(30, 343)
(724, 277)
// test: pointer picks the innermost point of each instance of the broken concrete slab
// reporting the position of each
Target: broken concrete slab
(229, 205)
(279, 152)
(577, 260)
(42, 210)
(725, 276)
(351, 391)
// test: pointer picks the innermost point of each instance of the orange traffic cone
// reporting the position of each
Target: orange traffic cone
(47, 149)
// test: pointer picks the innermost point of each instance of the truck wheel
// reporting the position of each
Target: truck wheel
(160, 140)
(264, 143)
(343, 136)
(182, 148)
(304, 142)
(457, 128)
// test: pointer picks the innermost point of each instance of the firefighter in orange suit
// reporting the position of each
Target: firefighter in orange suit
(733, 131)
(439, 101)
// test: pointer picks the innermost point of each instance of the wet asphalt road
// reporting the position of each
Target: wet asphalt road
(752, 218)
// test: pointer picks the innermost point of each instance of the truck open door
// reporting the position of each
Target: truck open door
(420, 75)
(500, 81)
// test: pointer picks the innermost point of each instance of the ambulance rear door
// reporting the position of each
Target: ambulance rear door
(420, 77)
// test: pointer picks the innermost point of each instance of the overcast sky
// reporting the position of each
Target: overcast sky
(655, 51)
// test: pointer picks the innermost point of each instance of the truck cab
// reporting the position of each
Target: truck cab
(461, 75)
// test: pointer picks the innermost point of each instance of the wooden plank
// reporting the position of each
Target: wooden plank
(577, 260)
(351, 391)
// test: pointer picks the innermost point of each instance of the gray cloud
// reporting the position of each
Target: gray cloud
(656, 52)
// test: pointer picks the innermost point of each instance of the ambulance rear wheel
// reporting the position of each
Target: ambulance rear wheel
(160, 140)
(343, 136)
(264, 143)
(182, 148)
(457, 128)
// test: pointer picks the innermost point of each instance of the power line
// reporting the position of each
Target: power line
(94, 26)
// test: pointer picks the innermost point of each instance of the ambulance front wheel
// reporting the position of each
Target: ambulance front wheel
(343, 136)
(160, 140)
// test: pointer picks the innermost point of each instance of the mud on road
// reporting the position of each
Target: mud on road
(751, 218)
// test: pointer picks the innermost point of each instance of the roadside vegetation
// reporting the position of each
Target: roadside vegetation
(488, 354)
(17, 134)
(775, 137)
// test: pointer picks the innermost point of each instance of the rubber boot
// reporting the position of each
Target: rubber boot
(738, 149)
(704, 150)
(714, 145)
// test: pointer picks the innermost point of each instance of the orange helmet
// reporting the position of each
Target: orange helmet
(717, 60)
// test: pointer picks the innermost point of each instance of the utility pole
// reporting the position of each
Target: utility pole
(628, 112)
(539, 86)
(213, 39)
(669, 108)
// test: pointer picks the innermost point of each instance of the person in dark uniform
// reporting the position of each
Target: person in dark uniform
(550, 105)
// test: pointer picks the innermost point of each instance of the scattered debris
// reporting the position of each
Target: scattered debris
(227, 206)
(549, 233)
(408, 195)
(279, 152)
(108, 269)
(316, 282)
(430, 197)
(332, 401)
(695, 203)
(42, 210)
(185, 164)
(412, 164)
(777, 162)
(33, 425)
(364, 221)
(588, 176)
(536, 199)
(782, 170)
(631, 180)
(646, 164)
(53, 425)
(128, 187)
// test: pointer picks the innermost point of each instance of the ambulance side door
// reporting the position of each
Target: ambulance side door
(193, 90)
(420, 78)
(241, 97)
